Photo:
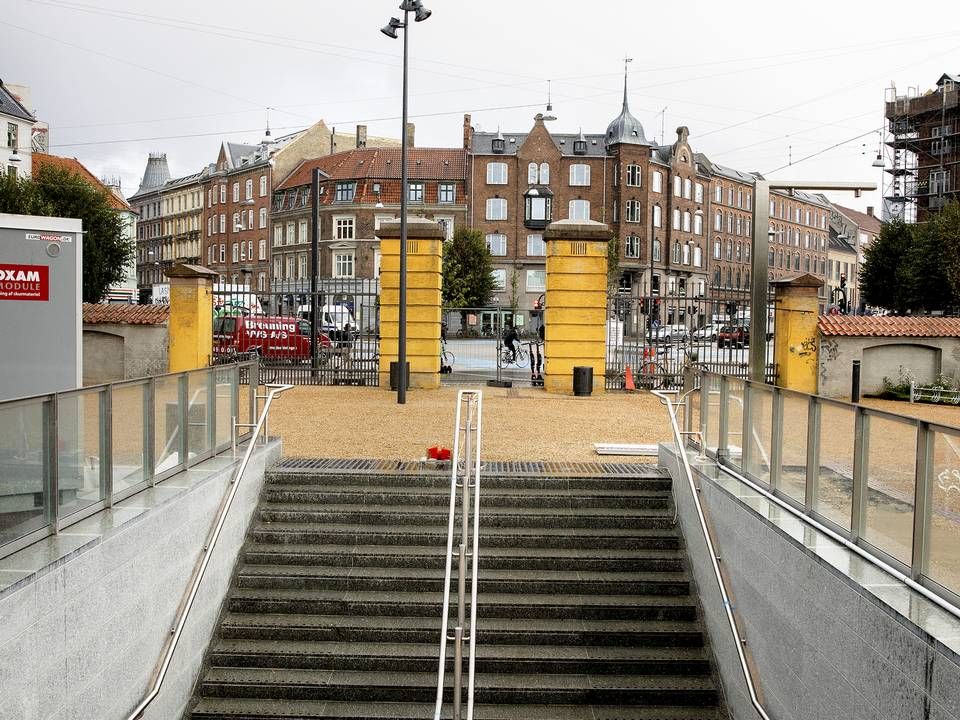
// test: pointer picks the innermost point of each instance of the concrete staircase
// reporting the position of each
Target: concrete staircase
(585, 607)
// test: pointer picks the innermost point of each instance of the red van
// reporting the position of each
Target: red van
(273, 337)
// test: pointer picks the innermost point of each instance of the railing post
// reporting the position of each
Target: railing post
(457, 670)
(706, 381)
(861, 468)
(922, 501)
(776, 437)
(746, 438)
(723, 451)
(813, 452)
(106, 446)
(149, 431)
(52, 456)
(183, 409)
(212, 410)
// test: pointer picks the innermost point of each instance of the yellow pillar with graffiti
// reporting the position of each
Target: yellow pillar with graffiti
(190, 328)
(795, 345)
(424, 282)
(575, 319)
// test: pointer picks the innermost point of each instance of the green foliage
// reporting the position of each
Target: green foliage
(613, 261)
(58, 193)
(884, 277)
(467, 270)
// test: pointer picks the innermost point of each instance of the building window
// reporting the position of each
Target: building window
(536, 280)
(496, 173)
(415, 192)
(248, 190)
(631, 248)
(210, 254)
(579, 210)
(634, 175)
(579, 174)
(497, 244)
(499, 279)
(243, 252)
(302, 231)
(698, 256)
(729, 249)
(291, 234)
(345, 191)
(343, 264)
(717, 249)
(277, 267)
(716, 277)
(209, 226)
(223, 252)
(236, 253)
(223, 223)
(535, 246)
(657, 216)
(698, 224)
(739, 225)
(544, 173)
(633, 211)
(698, 193)
(496, 209)
(446, 226)
(686, 253)
(343, 229)
(676, 253)
(302, 266)
(718, 194)
(263, 186)
(263, 249)
(657, 181)
(677, 186)
(686, 188)
(739, 252)
(730, 223)
(277, 235)
(446, 192)
(263, 218)
(656, 251)
(261, 282)
(676, 219)
(686, 221)
(532, 174)
(749, 201)
(236, 192)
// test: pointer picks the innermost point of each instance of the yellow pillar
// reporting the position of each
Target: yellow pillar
(576, 302)
(190, 330)
(795, 346)
(424, 267)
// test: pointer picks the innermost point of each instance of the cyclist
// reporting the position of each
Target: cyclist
(510, 339)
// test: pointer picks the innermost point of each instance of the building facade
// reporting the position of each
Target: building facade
(851, 233)
(18, 122)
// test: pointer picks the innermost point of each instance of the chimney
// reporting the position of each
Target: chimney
(467, 132)
(410, 133)
(870, 210)
(361, 136)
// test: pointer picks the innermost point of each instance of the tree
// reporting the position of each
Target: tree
(57, 192)
(944, 246)
(886, 275)
(467, 270)
(613, 261)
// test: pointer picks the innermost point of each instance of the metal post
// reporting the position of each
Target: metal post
(861, 455)
(149, 434)
(813, 453)
(759, 281)
(106, 446)
(855, 383)
(402, 335)
(314, 269)
(183, 408)
(723, 451)
(776, 439)
(457, 670)
(52, 454)
(922, 503)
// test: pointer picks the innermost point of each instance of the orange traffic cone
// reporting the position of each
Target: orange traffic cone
(628, 380)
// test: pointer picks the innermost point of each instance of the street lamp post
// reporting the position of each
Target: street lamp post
(759, 270)
(390, 30)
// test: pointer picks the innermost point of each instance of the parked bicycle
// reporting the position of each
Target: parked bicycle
(506, 357)
(447, 358)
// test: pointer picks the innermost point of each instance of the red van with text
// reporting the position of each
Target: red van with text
(271, 336)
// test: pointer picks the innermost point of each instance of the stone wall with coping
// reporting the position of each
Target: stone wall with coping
(120, 351)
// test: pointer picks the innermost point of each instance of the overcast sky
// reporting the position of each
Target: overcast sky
(756, 82)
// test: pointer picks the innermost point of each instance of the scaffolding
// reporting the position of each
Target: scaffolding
(922, 142)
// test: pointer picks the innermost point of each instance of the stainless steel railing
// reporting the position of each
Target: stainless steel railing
(464, 473)
(208, 547)
(739, 639)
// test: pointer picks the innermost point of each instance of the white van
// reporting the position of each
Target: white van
(332, 317)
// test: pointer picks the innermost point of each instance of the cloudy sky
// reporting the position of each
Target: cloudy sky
(759, 84)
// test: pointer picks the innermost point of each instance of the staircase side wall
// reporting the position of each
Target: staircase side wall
(824, 646)
(80, 638)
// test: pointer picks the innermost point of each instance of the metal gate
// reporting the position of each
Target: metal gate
(655, 336)
(339, 347)
(473, 351)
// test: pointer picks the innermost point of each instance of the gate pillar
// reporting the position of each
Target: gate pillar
(575, 318)
(796, 348)
(190, 329)
(424, 268)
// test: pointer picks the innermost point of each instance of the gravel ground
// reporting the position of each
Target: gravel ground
(518, 424)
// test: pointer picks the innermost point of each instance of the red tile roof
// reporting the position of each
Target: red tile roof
(77, 168)
(382, 164)
(867, 223)
(95, 314)
(889, 326)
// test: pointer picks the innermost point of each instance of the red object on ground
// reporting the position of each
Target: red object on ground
(438, 452)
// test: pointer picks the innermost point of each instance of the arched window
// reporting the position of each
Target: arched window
(657, 216)
(544, 174)
(729, 249)
(532, 174)
(656, 251)
(746, 278)
(686, 221)
(718, 221)
(739, 252)
(676, 252)
(717, 249)
(738, 279)
(698, 223)
(716, 277)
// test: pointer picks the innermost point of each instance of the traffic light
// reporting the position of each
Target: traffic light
(843, 281)
(643, 306)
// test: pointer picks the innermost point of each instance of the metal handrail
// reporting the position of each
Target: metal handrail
(739, 639)
(208, 546)
(470, 480)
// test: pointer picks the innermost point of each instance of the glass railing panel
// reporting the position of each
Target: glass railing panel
(128, 435)
(760, 399)
(198, 413)
(943, 564)
(166, 426)
(79, 430)
(833, 489)
(889, 503)
(793, 462)
(711, 386)
(23, 492)
(735, 422)
(224, 383)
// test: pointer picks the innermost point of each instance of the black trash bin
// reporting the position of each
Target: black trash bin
(394, 375)
(582, 380)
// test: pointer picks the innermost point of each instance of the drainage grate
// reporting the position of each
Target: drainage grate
(494, 467)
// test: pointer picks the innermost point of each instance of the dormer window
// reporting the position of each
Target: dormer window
(538, 208)
(579, 147)
(498, 145)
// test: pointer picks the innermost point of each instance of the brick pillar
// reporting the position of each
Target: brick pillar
(576, 302)
(190, 339)
(424, 267)
(795, 346)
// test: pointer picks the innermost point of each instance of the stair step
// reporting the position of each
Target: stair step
(490, 687)
(490, 581)
(491, 558)
(282, 709)
(652, 479)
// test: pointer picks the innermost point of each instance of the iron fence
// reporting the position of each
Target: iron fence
(474, 349)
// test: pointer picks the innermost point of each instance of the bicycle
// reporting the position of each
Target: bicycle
(447, 358)
(506, 357)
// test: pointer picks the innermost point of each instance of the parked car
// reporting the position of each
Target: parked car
(332, 318)
(733, 336)
(272, 337)
(708, 333)
(668, 334)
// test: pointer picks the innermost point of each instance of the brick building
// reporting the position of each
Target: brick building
(359, 189)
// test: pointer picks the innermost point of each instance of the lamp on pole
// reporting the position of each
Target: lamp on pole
(390, 30)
